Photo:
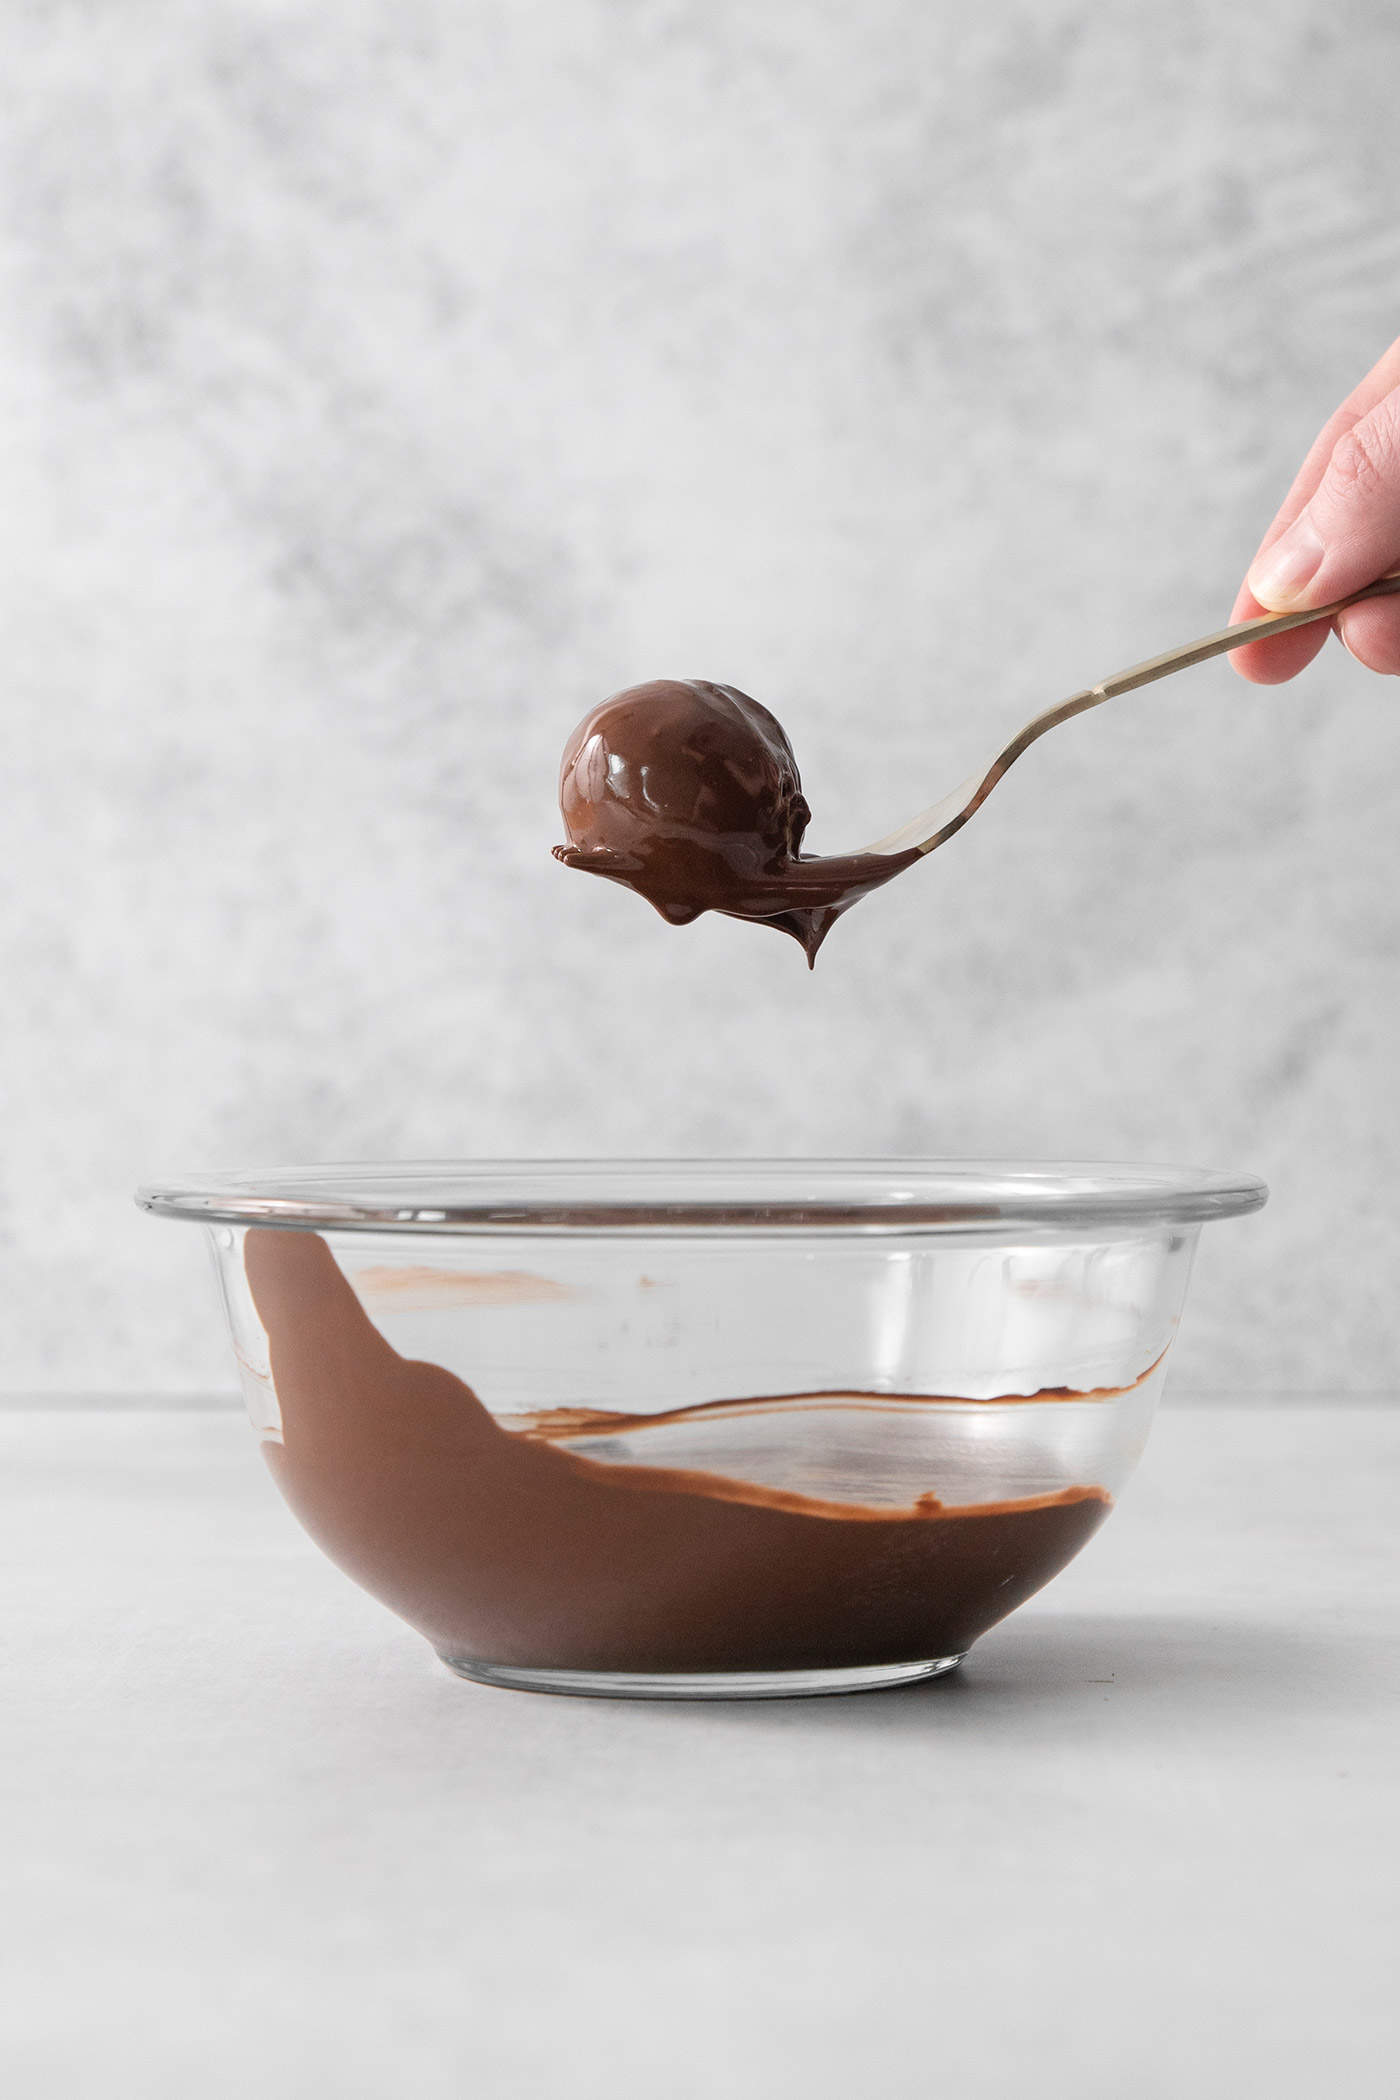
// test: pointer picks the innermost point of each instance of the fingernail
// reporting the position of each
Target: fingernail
(1283, 572)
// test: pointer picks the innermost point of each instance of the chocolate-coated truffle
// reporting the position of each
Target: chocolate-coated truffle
(689, 794)
(681, 762)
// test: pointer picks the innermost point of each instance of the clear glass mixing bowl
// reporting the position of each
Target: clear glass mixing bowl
(680, 1429)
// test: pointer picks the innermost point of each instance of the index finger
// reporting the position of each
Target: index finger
(1284, 655)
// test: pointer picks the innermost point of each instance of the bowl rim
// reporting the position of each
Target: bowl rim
(709, 1196)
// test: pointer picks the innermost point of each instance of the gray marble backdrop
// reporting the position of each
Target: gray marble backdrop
(384, 382)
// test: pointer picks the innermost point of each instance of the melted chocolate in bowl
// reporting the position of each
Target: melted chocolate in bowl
(506, 1547)
(689, 794)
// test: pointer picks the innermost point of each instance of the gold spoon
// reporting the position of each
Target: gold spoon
(932, 826)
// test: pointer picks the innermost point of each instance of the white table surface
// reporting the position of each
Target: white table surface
(257, 1842)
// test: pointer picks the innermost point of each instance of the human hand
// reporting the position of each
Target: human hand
(1338, 530)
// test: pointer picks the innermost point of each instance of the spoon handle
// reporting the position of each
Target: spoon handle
(1233, 638)
(932, 826)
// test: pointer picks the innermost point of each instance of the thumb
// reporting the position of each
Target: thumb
(1348, 533)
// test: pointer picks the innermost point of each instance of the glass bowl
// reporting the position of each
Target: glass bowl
(687, 1429)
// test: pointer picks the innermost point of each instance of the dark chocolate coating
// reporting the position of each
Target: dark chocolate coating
(689, 793)
(697, 762)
